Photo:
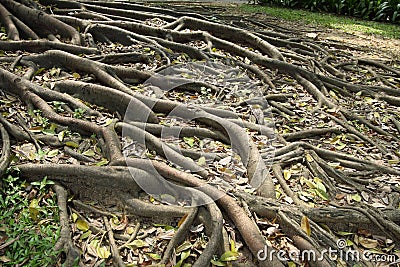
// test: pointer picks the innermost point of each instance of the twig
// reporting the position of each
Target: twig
(115, 252)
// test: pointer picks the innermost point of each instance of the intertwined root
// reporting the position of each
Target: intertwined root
(97, 96)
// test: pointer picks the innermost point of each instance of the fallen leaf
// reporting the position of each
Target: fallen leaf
(82, 225)
(322, 194)
(189, 141)
(367, 242)
(340, 146)
(71, 144)
(312, 35)
(310, 184)
(340, 196)
(74, 217)
(85, 235)
(138, 243)
(88, 153)
(229, 256)
(201, 161)
(233, 245)
(61, 135)
(154, 256)
(117, 224)
(182, 220)
(103, 252)
(4, 259)
(102, 162)
(34, 209)
(356, 197)
(305, 225)
(52, 153)
(287, 174)
(184, 246)
(345, 233)
(218, 263)
(365, 195)
(309, 158)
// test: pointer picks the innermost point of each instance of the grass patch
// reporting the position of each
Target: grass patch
(29, 223)
(346, 24)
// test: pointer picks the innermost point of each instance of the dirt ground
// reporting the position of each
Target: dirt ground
(319, 132)
(367, 46)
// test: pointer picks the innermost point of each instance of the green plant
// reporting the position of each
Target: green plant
(37, 114)
(346, 24)
(29, 223)
(78, 113)
(378, 10)
(58, 106)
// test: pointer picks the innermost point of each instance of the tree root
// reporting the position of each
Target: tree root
(86, 90)
(64, 242)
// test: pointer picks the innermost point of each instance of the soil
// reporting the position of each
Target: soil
(368, 46)
(331, 120)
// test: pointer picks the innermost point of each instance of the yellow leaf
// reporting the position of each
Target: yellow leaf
(305, 225)
(335, 140)
(71, 144)
(320, 186)
(356, 197)
(108, 122)
(185, 246)
(82, 225)
(340, 146)
(103, 252)
(201, 161)
(76, 75)
(85, 235)
(229, 256)
(138, 244)
(182, 220)
(74, 217)
(130, 230)
(277, 194)
(61, 135)
(218, 263)
(154, 256)
(310, 184)
(287, 174)
(333, 94)
(88, 153)
(345, 233)
(309, 158)
(52, 153)
(233, 245)
(34, 209)
(185, 255)
(102, 162)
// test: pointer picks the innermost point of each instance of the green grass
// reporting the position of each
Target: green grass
(29, 223)
(346, 24)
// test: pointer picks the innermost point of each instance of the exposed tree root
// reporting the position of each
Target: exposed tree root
(65, 243)
(244, 139)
